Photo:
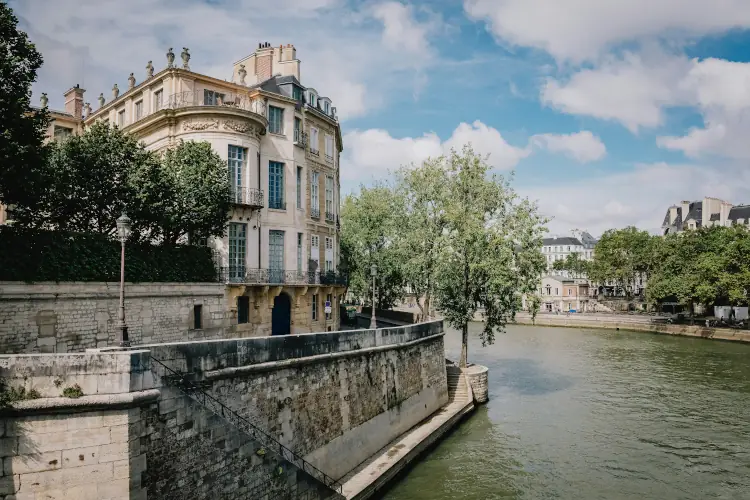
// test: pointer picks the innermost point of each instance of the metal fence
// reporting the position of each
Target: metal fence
(210, 98)
(250, 276)
(250, 197)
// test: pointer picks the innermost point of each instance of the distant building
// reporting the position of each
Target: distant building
(561, 293)
(705, 213)
(555, 249)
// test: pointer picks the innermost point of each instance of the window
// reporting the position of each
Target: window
(235, 162)
(329, 255)
(299, 188)
(329, 300)
(197, 317)
(121, 119)
(329, 197)
(62, 132)
(315, 249)
(568, 248)
(314, 144)
(555, 291)
(329, 146)
(237, 250)
(212, 98)
(276, 185)
(158, 95)
(297, 130)
(313, 100)
(139, 110)
(276, 256)
(315, 307)
(296, 93)
(327, 108)
(275, 120)
(299, 252)
(314, 198)
(243, 309)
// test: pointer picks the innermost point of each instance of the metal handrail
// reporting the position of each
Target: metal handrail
(251, 197)
(218, 408)
(315, 213)
(330, 216)
(218, 99)
(254, 276)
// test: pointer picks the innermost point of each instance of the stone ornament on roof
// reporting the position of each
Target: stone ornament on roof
(185, 58)
(131, 81)
(87, 109)
(149, 70)
(170, 58)
(101, 100)
(43, 99)
(115, 92)
(243, 73)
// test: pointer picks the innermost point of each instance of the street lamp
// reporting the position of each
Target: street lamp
(123, 231)
(374, 273)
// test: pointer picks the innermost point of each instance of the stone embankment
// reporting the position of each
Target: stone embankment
(634, 323)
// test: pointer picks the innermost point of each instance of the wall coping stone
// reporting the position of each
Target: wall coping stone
(82, 404)
(71, 290)
(288, 363)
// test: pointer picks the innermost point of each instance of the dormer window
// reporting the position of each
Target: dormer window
(296, 93)
(327, 108)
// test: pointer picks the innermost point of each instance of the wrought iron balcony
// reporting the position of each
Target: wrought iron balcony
(248, 197)
(315, 213)
(227, 99)
(330, 216)
(314, 152)
(300, 138)
(329, 158)
(277, 204)
(250, 276)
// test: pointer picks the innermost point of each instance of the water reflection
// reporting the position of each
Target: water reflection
(587, 414)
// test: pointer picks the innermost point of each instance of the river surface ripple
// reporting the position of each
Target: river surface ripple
(596, 414)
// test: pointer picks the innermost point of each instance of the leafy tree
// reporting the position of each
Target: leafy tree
(424, 192)
(622, 255)
(573, 263)
(491, 254)
(368, 235)
(22, 130)
(187, 194)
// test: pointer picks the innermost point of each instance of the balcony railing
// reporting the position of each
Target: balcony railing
(329, 158)
(330, 216)
(227, 99)
(315, 213)
(249, 197)
(250, 276)
(277, 204)
(314, 152)
(300, 138)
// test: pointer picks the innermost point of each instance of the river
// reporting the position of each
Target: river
(596, 414)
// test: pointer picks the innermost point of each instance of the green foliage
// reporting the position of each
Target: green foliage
(369, 226)
(73, 392)
(22, 130)
(10, 394)
(622, 255)
(38, 255)
(491, 254)
(574, 264)
(186, 194)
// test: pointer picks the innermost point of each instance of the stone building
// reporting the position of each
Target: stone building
(561, 293)
(704, 213)
(282, 144)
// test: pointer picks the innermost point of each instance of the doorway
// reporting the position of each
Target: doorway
(281, 316)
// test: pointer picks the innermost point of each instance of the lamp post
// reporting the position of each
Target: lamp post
(374, 273)
(123, 231)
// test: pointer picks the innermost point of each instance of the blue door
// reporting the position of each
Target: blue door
(281, 316)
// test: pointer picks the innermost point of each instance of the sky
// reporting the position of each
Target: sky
(604, 112)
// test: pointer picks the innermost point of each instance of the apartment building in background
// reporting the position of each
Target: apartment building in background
(558, 248)
(282, 144)
(704, 213)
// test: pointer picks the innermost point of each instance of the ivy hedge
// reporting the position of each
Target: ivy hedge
(36, 255)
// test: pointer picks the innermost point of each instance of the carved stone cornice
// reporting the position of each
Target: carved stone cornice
(210, 124)
(243, 127)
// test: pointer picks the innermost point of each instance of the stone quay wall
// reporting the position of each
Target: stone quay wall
(634, 323)
(75, 316)
(335, 398)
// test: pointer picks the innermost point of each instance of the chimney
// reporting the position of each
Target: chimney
(685, 209)
(726, 207)
(74, 101)
(672, 214)
(264, 62)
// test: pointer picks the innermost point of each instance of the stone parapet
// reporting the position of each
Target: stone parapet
(478, 375)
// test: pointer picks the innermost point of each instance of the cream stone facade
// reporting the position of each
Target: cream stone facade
(282, 144)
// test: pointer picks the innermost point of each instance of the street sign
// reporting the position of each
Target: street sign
(328, 307)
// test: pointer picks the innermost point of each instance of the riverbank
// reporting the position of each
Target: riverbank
(622, 322)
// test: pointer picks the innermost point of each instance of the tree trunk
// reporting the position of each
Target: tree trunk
(464, 345)
(427, 312)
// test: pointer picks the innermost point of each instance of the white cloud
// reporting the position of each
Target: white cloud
(400, 30)
(98, 43)
(373, 153)
(578, 30)
(638, 197)
(582, 146)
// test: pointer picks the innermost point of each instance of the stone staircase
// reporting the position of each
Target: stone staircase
(458, 388)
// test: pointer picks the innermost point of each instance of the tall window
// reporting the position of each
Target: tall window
(121, 119)
(314, 145)
(212, 98)
(329, 196)
(297, 130)
(314, 198)
(62, 132)
(243, 309)
(296, 93)
(158, 98)
(275, 120)
(276, 185)
(276, 256)
(315, 249)
(326, 107)
(329, 299)
(235, 161)
(299, 252)
(329, 255)
(299, 187)
(329, 146)
(237, 250)
(139, 110)
(315, 307)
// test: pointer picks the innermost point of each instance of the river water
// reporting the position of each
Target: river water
(596, 414)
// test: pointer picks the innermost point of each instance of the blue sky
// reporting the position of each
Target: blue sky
(607, 112)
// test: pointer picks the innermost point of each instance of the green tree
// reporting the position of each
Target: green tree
(368, 236)
(185, 195)
(424, 192)
(491, 254)
(573, 263)
(622, 255)
(22, 129)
